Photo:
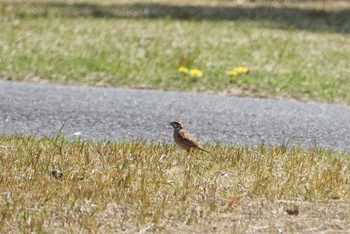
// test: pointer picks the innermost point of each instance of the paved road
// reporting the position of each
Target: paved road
(116, 114)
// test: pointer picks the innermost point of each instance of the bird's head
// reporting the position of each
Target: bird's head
(176, 125)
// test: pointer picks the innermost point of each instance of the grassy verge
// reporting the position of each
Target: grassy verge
(296, 50)
(115, 187)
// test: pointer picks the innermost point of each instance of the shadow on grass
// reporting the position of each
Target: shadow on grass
(284, 17)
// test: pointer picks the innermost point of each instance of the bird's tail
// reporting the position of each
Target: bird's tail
(202, 148)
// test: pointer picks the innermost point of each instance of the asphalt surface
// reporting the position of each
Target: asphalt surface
(126, 114)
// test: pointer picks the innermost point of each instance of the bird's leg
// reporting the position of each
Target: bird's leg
(189, 151)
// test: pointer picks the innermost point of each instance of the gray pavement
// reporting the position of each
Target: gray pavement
(126, 114)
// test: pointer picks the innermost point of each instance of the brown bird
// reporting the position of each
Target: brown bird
(184, 139)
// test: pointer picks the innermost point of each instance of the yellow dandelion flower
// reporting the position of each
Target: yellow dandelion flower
(241, 70)
(237, 71)
(196, 73)
(183, 70)
(232, 72)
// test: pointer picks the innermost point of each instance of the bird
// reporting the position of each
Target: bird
(184, 139)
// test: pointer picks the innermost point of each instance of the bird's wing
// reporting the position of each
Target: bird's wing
(186, 137)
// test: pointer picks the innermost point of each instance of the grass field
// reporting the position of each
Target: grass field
(293, 49)
(131, 187)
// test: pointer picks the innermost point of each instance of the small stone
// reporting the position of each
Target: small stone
(56, 173)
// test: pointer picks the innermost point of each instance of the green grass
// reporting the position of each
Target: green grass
(134, 186)
(296, 50)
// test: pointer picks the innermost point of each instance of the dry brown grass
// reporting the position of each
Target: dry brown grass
(137, 187)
